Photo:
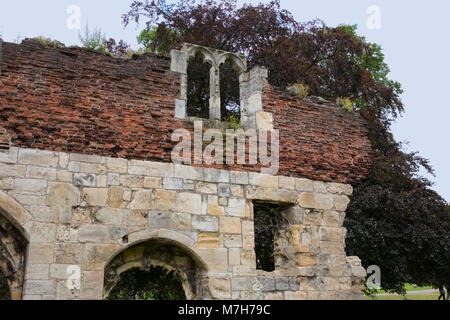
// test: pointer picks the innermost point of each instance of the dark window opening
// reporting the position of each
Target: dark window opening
(230, 105)
(4, 288)
(198, 87)
(155, 283)
(268, 220)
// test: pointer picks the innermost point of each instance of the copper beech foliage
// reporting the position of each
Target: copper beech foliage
(394, 220)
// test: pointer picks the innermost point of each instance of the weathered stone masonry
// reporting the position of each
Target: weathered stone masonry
(89, 184)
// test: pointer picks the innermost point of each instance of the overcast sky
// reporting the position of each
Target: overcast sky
(414, 36)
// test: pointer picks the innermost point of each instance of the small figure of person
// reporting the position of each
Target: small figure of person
(448, 290)
(441, 292)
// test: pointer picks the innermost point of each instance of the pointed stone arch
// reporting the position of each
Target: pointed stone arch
(13, 244)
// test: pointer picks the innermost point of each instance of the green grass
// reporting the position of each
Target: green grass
(408, 297)
(410, 287)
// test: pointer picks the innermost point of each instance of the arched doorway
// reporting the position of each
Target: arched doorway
(156, 269)
(13, 245)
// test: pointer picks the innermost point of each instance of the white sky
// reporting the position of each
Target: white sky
(413, 34)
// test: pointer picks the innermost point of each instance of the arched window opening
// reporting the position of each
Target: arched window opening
(154, 283)
(4, 288)
(13, 246)
(157, 269)
(230, 106)
(198, 87)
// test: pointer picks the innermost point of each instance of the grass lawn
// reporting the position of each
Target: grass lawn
(409, 287)
(408, 297)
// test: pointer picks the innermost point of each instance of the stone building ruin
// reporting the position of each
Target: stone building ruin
(88, 189)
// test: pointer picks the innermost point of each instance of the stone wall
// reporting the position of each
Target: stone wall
(82, 211)
(74, 100)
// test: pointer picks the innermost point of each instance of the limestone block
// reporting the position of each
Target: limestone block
(38, 272)
(238, 177)
(190, 203)
(85, 179)
(188, 172)
(7, 170)
(39, 287)
(262, 180)
(153, 169)
(113, 179)
(40, 213)
(210, 240)
(316, 201)
(142, 200)
(64, 176)
(86, 158)
(41, 173)
(305, 259)
(166, 200)
(286, 183)
(340, 188)
(91, 285)
(38, 158)
(66, 234)
(248, 258)
(132, 181)
(95, 255)
(111, 216)
(115, 197)
(40, 253)
(264, 120)
(234, 256)
(42, 232)
(93, 233)
(304, 185)
(273, 296)
(181, 221)
(216, 175)
(136, 218)
(237, 190)
(68, 253)
(102, 181)
(95, 168)
(9, 156)
(205, 187)
(117, 165)
(205, 223)
(271, 194)
(172, 183)
(341, 202)
(95, 196)
(30, 185)
(152, 183)
(220, 288)
(63, 194)
(213, 206)
(63, 160)
(230, 225)
(159, 219)
(233, 240)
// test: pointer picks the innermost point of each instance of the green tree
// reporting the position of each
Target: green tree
(154, 284)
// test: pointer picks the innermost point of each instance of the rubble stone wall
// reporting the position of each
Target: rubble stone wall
(81, 211)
